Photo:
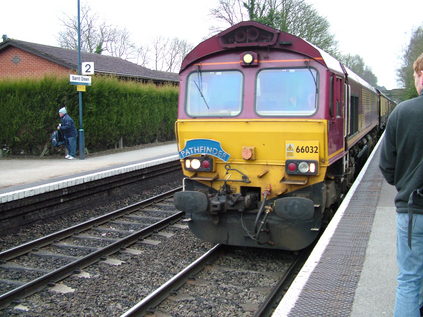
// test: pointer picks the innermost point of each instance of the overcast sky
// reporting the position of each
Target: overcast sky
(377, 30)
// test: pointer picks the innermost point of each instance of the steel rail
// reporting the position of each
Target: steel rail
(161, 293)
(46, 240)
(59, 274)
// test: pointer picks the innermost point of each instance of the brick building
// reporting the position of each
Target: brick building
(20, 59)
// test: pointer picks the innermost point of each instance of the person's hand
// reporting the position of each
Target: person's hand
(58, 127)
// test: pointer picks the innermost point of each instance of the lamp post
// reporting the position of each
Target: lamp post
(81, 127)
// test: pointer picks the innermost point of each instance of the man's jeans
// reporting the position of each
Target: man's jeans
(71, 146)
(410, 263)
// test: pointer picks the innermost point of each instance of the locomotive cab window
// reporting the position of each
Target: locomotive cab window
(286, 92)
(214, 93)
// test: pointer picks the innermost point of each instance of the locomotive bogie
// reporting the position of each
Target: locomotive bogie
(231, 228)
(292, 222)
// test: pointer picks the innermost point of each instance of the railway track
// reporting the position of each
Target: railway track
(225, 282)
(50, 204)
(224, 279)
(34, 265)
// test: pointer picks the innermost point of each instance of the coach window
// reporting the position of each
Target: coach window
(354, 104)
(214, 94)
(286, 92)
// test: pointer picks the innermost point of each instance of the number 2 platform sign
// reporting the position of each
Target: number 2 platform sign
(87, 68)
(81, 81)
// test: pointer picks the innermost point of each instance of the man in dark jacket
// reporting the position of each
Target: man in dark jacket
(401, 163)
(67, 127)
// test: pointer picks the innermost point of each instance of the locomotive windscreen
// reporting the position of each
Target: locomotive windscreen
(281, 92)
(214, 93)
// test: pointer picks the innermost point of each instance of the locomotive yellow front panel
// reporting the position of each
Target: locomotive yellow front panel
(254, 152)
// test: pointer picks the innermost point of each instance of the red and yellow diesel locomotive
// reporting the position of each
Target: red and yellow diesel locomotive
(271, 131)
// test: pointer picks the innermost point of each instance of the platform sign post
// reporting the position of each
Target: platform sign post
(81, 126)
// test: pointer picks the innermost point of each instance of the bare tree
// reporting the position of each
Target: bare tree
(292, 16)
(159, 46)
(120, 45)
(230, 12)
(92, 34)
(96, 37)
(176, 51)
(164, 54)
(167, 54)
(143, 56)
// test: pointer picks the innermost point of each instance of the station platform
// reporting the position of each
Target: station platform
(21, 178)
(352, 269)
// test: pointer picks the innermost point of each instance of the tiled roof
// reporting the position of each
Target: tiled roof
(102, 63)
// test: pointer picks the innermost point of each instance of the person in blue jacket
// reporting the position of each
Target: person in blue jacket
(67, 127)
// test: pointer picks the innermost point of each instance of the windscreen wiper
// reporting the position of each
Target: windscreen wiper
(201, 94)
(199, 87)
(312, 75)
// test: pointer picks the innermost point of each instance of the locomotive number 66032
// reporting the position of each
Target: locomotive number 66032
(307, 149)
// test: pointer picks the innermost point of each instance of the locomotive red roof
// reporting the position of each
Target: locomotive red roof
(252, 34)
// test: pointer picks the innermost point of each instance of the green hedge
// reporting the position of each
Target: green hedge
(113, 111)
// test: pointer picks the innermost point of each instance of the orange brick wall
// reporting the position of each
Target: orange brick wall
(29, 65)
